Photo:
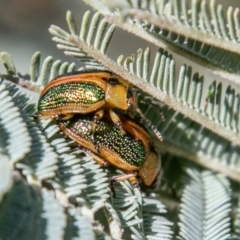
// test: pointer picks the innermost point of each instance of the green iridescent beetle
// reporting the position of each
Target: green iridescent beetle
(131, 152)
(87, 92)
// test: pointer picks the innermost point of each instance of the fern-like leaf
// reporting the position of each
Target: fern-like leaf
(198, 27)
(205, 206)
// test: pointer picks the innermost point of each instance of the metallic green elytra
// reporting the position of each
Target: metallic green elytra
(128, 148)
(131, 152)
(67, 95)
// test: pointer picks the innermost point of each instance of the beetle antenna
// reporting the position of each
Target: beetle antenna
(156, 106)
(156, 132)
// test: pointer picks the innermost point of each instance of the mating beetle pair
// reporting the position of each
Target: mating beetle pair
(79, 103)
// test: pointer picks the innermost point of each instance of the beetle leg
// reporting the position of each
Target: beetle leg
(131, 176)
(96, 146)
(160, 108)
(97, 116)
(98, 159)
(60, 117)
(36, 116)
(116, 120)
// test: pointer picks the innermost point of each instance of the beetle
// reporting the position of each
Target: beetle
(131, 152)
(87, 92)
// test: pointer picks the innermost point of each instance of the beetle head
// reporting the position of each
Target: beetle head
(118, 93)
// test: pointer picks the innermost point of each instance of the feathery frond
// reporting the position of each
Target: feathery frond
(205, 206)
(142, 216)
(185, 138)
(201, 28)
(94, 31)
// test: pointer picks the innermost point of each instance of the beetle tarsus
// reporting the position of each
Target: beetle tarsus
(112, 181)
(96, 146)
(119, 125)
(93, 137)
(36, 116)
(136, 185)
(97, 116)
(61, 117)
